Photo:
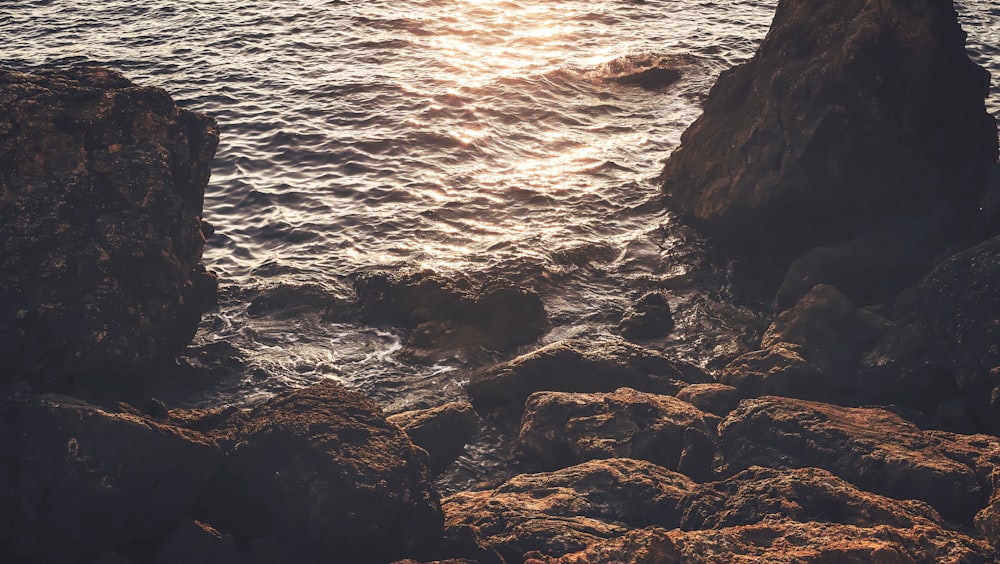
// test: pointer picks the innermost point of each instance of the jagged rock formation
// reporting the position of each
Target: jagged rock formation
(101, 188)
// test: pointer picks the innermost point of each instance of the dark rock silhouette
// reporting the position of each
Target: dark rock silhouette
(442, 431)
(100, 224)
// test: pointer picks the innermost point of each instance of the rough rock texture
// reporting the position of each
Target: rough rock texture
(651, 545)
(576, 366)
(717, 399)
(805, 494)
(945, 336)
(320, 471)
(648, 317)
(784, 369)
(452, 311)
(76, 480)
(442, 431)
(560, 429)
(849, 112)
(101, 187)
(566, 510)
(872, 448)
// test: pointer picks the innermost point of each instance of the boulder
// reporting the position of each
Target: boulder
(651, 545)
(79, 481)
(785, 369)
(566, 510)
(561, 429)
(848, 114)
(717, 399)
(944, 339)
(649, 317)
(601, 365)
(320, 471)
(101, 234)
(442, 431)
(452, 311)
(759, 494)
(873, 449)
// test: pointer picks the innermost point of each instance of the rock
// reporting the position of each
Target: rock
(849, 113)
(759, 494)
(785, 369)
(442, 431)
(566, 510)
(790, 542)
(872, 448)
(651, 545)
(717, 399)
(195, 542)
(944, 339)
(560, 429)
(452, 311)
(499, 392)
(101, 234)
(80, 481)
(648, 318)
(827, 321)
(320, 471)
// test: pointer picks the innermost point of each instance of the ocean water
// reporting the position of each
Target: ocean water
(482, 137)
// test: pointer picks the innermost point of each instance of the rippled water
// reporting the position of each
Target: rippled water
(485, 137)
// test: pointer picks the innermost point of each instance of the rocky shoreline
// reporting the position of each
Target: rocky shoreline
(846, 175)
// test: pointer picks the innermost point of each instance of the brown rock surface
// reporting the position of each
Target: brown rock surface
(567, 510)
(872, 448)
(100, 224)
(320, 471)
(576, 366)
(784, 369)
(848, 113)
(717, 399)
(442, 431)
(560, 429)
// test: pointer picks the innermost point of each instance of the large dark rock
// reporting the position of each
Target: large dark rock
(602, 365)
(319, 472)
(76, 481)
(442, 431)
(101, 188)
(945, 338)
(872, 448)
(567, 510)
(849, 112)
(561, 429)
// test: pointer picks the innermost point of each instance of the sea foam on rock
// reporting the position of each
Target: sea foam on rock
(101, 237)
(850, 113)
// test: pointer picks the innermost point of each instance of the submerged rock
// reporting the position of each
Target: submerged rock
(848, 113)
(648, 317)
(442, 431)
(320, 471)
(872, 448)
(560, 429)
(566, 510)
(101, 234)
(602, 365)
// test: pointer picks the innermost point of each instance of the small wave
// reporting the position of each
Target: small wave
(648, 70)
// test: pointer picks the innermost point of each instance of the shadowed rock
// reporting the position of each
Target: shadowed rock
(442, 431)
(101, 189)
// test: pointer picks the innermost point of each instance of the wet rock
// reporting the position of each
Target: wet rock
(759, 494)
(829, 322)
(560, 429)
(101, 234)
(452, 311)
(944, 339)
(717, 399)
(602, 365)
(79, 481)
(872, 448)
(785, 369)
(442, 431)
(567, 510)
(651, 545)
(849, 113)
(790, 542)
(648, 318)
(195, 542)
(320, 471)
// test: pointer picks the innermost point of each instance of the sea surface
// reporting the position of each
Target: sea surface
(477, 137)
